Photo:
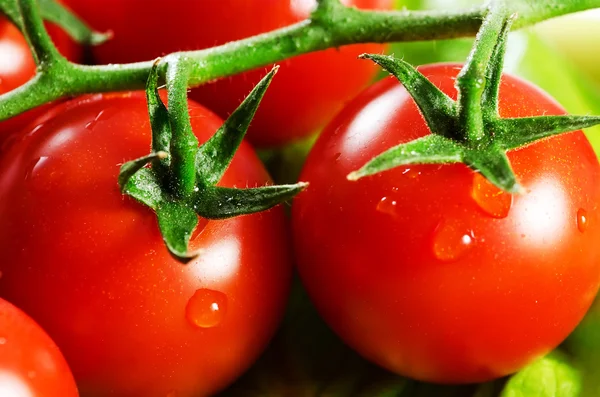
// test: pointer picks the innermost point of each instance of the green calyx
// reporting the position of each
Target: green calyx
(470, 129)
(178, 180)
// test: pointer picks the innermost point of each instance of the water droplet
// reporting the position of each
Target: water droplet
(451, 241)
(103, 115)
(337, 156)
(202, 222)
(582, 220)
(90, 126)
(35, 166)
(489, 198)
(388, 205)
(411, 173)
(206, 308)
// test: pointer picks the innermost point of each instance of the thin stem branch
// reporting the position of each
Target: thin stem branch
(44, 52)
(472, 79)
(341, 26)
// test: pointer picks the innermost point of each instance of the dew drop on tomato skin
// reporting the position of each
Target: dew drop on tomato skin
(388, 205)
(582, 220)
(451, 241)
(492, 200)
(206, 308)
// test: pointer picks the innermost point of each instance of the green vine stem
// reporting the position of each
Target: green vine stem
(331, 25)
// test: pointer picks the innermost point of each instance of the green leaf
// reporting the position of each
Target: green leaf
(79, 31)
(431, 149)
(437, 108)
(517, 132)
(177, 222)
(551, 376)
(223, 202)
(214, 155)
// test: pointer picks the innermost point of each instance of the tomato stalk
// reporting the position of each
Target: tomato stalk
(181, 183)
(470, 130)
(332, 25)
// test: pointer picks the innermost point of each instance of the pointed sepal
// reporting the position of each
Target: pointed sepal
(222, 202)
(437, 108)
(472, 79)
(214, 155)
(431, 149)
(518, 132)
(489, 101)
(177, 222)
(130, 168)
(496, 168)
(159, 115)
(183, 143)
(176, 219)
(145, 187)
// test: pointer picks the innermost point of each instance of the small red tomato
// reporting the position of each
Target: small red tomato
(429, 270)
(89, 264)
(17, 66)
(308, 89)
(30, 363)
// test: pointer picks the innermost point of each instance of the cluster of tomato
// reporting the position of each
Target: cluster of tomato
(427, 270)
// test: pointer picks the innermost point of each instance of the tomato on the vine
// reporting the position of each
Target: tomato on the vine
(90, 265)
(30, 363)
(308, 89)
(429, 270)
(17, 66)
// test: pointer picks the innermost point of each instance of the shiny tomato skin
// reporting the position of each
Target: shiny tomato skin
(17, 66)
(308, 89)
(90, 265)
(30, 363)
(425, 269)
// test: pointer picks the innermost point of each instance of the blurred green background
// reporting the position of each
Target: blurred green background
(307, 359)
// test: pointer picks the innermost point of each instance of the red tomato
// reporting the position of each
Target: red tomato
(308, 89)
(30, 363)
(429, 270)
(90, 265)
(17, 66)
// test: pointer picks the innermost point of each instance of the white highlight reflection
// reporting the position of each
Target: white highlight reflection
(12, 58)
(220, 261)
(542, 214)
(12, 386)
(303, 8)
(365, 127)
